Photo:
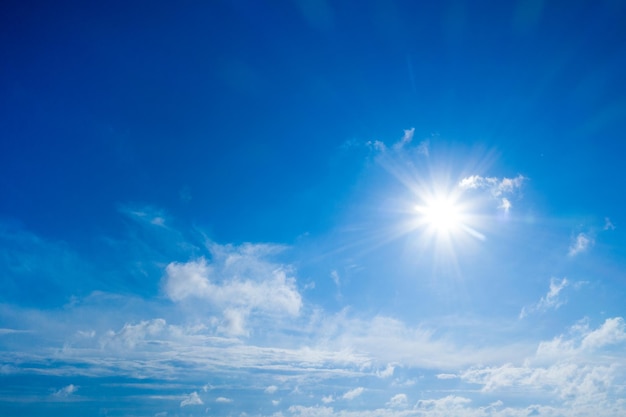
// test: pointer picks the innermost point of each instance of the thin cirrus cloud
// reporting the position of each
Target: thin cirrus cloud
(551, 301)
(580, 243)
(353, 393)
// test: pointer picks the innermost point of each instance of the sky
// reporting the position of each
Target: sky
(312, 208)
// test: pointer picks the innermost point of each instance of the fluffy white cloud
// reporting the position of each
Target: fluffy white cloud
(398, 401)
(271, 389)
(387, 372)
(328, 399)
(580, 244)
(238, 281)
(353, 393)
(569, 367)
(191, 399)
(497, 186)
(550, 301)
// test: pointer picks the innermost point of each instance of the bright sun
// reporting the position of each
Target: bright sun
(441, 214)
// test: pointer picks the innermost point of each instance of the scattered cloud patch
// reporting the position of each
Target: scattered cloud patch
(223, 400)
(328, 399)
(447, 376)
(271, 389)
(238, 281)
(387, 372)
(398, 401)
(376, 145)
(581, 243)
(66, 391)
(505, 205)
(551, 301)
(353, 393)
(191, 399)
(497, 186)
(406, 139)
(608, 225)
(424, 148)
(335, 277)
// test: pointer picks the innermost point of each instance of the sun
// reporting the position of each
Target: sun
(441, 214)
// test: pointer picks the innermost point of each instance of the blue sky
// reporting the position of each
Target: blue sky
(310, 208)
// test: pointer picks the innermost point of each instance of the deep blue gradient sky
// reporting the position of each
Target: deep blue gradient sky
(313, 208)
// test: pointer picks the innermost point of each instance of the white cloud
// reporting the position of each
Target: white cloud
(505, 205)
(497, 186)
(132, 334)
(446, 376)
(574, 368)
(238, 281)
(66, 391)
(580, 244)
(271, 389)
(223, 400)
(335, 277)
(387, 372)
(423, 148)
(191, 399)
(328, 399)
(353, 393)
(406, 138)
(608, 225)
(398, 401)
(550, 301)
(376, 145)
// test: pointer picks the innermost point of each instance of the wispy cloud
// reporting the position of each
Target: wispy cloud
(608, 225)
(551, 300)
(353, 393)
(406, 139)
(191, 399)
(66, 391)
(581, 243)
(500, 189)
(223, 400)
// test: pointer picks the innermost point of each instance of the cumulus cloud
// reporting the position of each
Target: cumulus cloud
(398, 401)
(387, 372)
(191, 399)
(353, 393)
(499, 188)
(568, 366)
(551, 300)
(328, 399)
(271, 389)
(581, 243)
(237, 281)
